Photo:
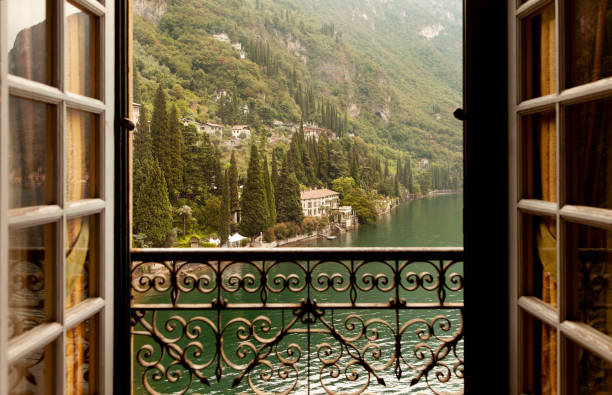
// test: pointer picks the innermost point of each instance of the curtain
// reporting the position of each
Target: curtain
(79, 237)
(546, 232)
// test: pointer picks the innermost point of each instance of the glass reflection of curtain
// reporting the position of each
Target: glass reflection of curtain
(77, 230)
(80, 44)
(546, 233)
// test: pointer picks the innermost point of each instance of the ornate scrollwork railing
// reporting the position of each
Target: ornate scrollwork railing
(282, 321)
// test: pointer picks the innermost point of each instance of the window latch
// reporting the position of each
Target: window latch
(127, 123)
(460, 114)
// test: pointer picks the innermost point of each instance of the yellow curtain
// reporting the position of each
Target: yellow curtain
(546, 232)
(78, 230)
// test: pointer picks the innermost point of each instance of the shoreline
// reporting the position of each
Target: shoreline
(297, 239)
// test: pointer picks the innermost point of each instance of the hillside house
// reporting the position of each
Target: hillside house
(222, 37)
(319, 202)
(213, 129)
(313, 131)
(237, 130)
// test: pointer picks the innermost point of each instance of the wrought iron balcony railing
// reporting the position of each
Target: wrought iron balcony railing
(297, 321)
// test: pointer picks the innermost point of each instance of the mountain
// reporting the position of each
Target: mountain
(388, 71)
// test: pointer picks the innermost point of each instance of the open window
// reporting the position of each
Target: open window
(57, 196)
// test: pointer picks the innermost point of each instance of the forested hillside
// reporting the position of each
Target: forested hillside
(375, 62)
(380, 78)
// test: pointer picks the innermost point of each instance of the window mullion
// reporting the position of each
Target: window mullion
(3, 201)
(61, 165)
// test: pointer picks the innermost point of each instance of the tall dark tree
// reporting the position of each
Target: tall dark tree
(224, 212)
(323, 159)
(253, 199)
(269, 189)
(174, 161)
(233, 184)
(289, 204)
(274, 175)
(151, 207)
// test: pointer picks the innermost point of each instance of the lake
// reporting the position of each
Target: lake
(427, 222)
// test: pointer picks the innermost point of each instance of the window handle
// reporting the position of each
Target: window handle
(127, 123)
(460, 114)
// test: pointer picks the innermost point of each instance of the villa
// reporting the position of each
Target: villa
(318, 202)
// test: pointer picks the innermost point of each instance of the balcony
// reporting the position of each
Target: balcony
(297, 321)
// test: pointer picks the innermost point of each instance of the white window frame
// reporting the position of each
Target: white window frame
(102, 304)
(559, 319)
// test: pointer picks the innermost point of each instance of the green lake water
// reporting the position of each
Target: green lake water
(428, 222)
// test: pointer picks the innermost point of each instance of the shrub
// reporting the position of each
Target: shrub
(269, 235)
(309, 224)
(280, 231)
(244, 242)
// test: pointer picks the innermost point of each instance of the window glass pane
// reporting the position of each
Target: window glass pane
(80, 358)
(81, 158)
(81, 258)
(540, 156)
(589, 128)
(594, 374)
(31, 263)
(539, 61)
(29, 40)
(589, 41)
(592, 259)
(540, 258)
(31, 153)
(81, 51)
(34, 374)
(540, 357)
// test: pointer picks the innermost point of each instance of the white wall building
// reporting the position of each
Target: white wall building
(317, 202)
(237, 130)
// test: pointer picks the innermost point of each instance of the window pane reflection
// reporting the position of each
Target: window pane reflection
(31, 153)
(540, 156)
(594, 374)
(541, 257)
(29, 40)
(589, 41)
(33, 375)
(539, 66)
(81, 145)
(81, 254)
(592, 258)
(80, 355)
(81, 51)
(590, 153)
(30, 273)
(540, 343)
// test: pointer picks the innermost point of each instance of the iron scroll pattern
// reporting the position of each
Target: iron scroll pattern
(297, 321)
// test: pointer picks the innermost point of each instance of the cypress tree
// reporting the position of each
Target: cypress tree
(224, 213)
(151, 207)
(274, 176)
(323, 159)
(233, 184)
(253, 200)
(174, 162)
(159, 133)
(270, 198)
(289, 203)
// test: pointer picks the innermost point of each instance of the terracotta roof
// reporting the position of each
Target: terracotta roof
(213, 125)
(240, 127)
(317, 194)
